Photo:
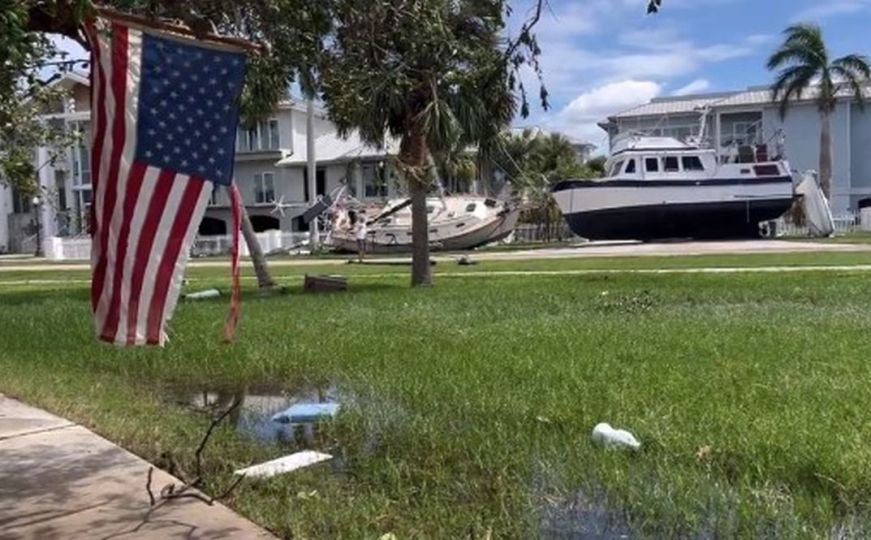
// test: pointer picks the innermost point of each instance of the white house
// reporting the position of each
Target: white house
(750, 117)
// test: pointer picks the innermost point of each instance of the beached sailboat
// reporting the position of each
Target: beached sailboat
(456, 222)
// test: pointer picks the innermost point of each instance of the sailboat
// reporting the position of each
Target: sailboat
(456, 222)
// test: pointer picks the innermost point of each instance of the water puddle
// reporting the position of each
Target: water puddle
(260, 403)
(582, 517)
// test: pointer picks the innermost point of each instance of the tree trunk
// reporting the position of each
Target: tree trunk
(413, 154)
(264, 279)
(826, 155)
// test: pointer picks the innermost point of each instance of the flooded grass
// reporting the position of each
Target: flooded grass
(466, 409)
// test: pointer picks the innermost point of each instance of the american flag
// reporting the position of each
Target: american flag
(164, 116)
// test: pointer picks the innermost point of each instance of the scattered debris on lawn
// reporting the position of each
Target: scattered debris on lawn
(306, 413)
(605, 434)
(202, 295)
(283, 464)
(325, 283)
(465, 260)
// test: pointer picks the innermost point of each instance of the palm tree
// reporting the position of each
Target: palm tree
(434, 74)
(803, 61)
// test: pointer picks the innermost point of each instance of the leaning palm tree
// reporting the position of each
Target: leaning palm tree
(805, 65)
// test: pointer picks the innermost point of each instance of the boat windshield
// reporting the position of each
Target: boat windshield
(616, 168)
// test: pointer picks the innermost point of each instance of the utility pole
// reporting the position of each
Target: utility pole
(314, 236)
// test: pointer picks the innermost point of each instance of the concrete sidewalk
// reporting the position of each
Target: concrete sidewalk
(60, 481)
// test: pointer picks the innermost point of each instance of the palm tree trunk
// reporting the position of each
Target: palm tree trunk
(826, 155)
(264, 279)
(413, 154)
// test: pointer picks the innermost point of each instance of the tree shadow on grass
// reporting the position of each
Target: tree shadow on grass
(31, 297)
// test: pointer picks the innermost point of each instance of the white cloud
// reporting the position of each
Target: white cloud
(611, 98)
(698, 85)
(580, 117)
(832, 8)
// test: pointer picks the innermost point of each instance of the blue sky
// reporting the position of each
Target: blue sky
(603, 56)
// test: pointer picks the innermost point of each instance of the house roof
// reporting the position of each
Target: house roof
(330, 147)
(761, 95)
(755, 95)
(672, 105)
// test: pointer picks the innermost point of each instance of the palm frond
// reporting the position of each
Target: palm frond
(858, 64)
(795, 55)
(854, 72)
(791, 82)
(809, 38)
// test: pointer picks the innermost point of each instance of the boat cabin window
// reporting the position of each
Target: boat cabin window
(692, 163)
(616, 168)
(630, 166)
(670, 164)
(471, 207)
(430, 209)
(651, 164)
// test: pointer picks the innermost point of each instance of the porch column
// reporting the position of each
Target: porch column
(357, 179)
(48, 204)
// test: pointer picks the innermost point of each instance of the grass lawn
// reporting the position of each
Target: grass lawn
(469, 406)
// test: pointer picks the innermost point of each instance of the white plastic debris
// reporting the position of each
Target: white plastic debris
(605, 434)
(817, 211)
(283, 465)
(201, 295)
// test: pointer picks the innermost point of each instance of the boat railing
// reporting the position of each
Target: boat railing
(760, 150)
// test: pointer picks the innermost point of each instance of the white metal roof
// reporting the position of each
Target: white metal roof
(762, 96)
(753, 96)
(671, 105)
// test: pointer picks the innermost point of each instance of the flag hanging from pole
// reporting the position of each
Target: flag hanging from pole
(164, 115)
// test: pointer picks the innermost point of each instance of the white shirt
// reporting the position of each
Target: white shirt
(360, 229)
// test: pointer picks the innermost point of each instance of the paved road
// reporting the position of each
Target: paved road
(592, 249)
(60, 481)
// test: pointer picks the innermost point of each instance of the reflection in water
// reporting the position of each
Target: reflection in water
(259, 403)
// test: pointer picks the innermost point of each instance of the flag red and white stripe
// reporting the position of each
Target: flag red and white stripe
(144, 217)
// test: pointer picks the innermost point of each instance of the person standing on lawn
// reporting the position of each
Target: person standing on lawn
(360, 232)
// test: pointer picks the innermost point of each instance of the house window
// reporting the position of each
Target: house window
(273, 134)
(81, 157)
(692, 163)
(744, 133)
(21, 203)
(670, 164)
(651, 164)
(373, 181)
(264, 188)
(262, 136)
(630, 166)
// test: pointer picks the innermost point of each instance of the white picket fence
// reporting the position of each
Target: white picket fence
(273, 241)
(845, 223)
(78, 248)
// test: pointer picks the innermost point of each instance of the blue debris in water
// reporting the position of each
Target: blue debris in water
(306, 413)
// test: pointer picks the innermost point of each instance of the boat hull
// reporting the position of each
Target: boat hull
(712, 220)
(492, 230)
(652, 210)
